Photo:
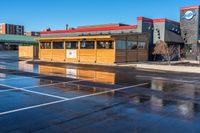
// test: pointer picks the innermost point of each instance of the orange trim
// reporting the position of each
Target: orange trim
(145, 19)
(162, 20)
(189, 7)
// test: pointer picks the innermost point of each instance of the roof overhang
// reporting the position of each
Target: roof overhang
(73, 38)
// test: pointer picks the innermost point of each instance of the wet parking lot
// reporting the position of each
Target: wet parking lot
(45, 98)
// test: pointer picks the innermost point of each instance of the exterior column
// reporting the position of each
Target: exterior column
(79, 47)
(115, 50)
(95, 46)
(64, 43)
(51, 50)
(39, 52)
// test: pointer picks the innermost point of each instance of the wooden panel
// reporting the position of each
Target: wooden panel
(58, 55)
(87, 55)
(45, 54)
(132, 56)
(105, 56)
(142, 55)
(120, 56)
(27, 52)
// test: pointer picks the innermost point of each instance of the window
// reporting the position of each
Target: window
(87, 44)
(141, 45)
(45, 45)
(105, 44)
(132, 45)
(58, 45)
(72, 45)
(121, 44)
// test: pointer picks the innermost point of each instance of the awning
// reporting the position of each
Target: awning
(173, 37)
(6, 38)
(73, 38)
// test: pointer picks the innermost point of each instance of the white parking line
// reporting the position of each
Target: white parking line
(39, 93)
(35, 92)
(37, 86)
(31, 107)
(7, 90)
(22, 78)
(69, 99)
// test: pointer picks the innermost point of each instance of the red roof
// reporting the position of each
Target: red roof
(189, 7)
(90, 29)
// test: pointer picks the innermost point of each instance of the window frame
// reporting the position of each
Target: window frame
(58, 47)
(87, 44)
(66, 42)
(135, 44)
(123, 45)
(145, 44)
(110, 43)
(47, 45)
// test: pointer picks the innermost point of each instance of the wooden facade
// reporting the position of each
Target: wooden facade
(30, 52)
(95, 49)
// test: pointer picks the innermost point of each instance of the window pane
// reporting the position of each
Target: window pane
(87, 44)
(121, 44)
(105, 44)
(72, 45)
(132, 45)
(45, 45)
(58, 45)
(141, 45)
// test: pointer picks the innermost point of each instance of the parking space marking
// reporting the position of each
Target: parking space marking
(31, 107)
(12, 72)
(23, 78)
(46, 85)
(70, 99)
(104, 92)
(7, 90)
(39, 93)
(35, 92)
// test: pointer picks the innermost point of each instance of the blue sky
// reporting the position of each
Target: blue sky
(40, 14)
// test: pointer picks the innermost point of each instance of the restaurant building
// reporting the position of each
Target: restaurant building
(109, 43)
(122, 43)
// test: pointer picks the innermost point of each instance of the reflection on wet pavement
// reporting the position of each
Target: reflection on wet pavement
(163, 105)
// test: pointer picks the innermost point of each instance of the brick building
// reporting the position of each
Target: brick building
(11, 29)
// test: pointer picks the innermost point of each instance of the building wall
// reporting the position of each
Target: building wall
(11, 29)
(190, 27)
(190, 31)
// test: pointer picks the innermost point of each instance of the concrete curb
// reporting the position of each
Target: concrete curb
(144, 66)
